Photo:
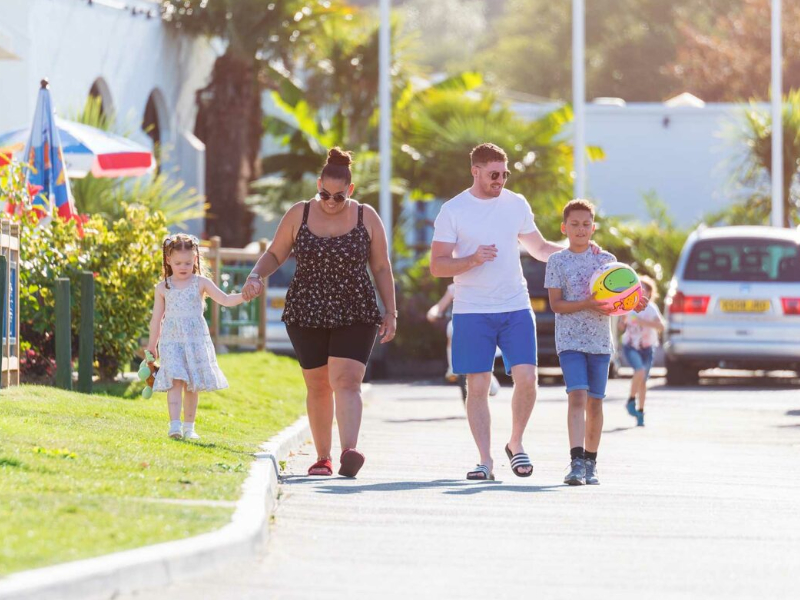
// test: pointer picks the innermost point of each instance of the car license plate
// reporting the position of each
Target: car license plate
(749, 306)
(538, 304)
(276, 302)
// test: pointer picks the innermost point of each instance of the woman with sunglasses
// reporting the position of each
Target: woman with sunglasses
(331, 312)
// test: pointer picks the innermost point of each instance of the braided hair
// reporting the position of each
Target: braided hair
(177, 242)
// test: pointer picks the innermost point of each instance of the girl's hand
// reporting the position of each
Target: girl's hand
(388, 328)
(252, 289)
(643, 302)
(153, 349)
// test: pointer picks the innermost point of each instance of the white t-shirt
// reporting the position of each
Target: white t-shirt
(638, 335)
(468, 222)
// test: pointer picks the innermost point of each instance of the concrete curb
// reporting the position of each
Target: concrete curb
(159, 565)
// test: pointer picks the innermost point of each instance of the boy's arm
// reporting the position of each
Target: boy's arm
(217, 295)
(155, 321)
(559, 305)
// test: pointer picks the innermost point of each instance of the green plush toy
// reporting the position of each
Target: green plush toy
(147, 373)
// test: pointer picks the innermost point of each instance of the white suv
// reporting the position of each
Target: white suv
(734, 302)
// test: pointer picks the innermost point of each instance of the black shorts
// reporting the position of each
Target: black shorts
(314, 345)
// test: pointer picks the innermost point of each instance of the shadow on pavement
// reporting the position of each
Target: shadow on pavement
(431, 420)
(618, 429)
(793, 413)
(755, 383)
(457, 486)
(499, 486)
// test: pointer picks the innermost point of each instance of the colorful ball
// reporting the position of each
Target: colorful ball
(617, 285)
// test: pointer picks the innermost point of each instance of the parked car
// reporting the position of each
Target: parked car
(734, 302)
(534, 271)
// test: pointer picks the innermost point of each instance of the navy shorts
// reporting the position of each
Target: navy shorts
(584, 371)
(476, 336)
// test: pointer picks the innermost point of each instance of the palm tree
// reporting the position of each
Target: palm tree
(755, 162)
(256, 33)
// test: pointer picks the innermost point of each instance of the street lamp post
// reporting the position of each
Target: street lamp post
(777, 117)
(385, 127)
(579, 95)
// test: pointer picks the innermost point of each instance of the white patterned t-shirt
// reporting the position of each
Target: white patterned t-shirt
(585, 330)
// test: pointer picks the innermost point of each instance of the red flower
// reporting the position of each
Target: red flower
(33, 190)
(4, 159)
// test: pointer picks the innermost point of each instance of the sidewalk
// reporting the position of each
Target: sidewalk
(702, 503)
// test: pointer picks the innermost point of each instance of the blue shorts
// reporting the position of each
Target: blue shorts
(583, 371)
(476, 336)
(639, 358)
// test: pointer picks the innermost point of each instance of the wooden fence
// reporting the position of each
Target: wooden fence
(9, 302)
(225, 264)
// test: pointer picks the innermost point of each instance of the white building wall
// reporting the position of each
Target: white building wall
(685, 155)
(74, 44)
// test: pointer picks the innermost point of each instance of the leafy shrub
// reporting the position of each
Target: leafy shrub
(125, 258)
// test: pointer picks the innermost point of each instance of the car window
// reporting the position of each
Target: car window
(744, 259)
(283, 276)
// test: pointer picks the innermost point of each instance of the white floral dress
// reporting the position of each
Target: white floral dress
(185, 347)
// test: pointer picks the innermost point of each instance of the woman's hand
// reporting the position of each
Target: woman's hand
(643, 302)
(252, 289)
(388, 328)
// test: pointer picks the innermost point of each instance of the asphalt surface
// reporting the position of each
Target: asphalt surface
(702, 502)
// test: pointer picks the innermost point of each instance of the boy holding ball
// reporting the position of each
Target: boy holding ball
(583, 337)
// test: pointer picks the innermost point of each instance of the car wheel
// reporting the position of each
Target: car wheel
(679, 373)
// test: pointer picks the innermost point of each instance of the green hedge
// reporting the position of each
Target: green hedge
(125, 258)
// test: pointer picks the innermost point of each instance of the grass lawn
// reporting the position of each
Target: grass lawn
(86, 475)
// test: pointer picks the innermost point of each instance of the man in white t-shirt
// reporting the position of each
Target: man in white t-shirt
(476, 241)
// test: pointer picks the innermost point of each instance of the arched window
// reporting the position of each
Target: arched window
(101, 90)
(155, 123)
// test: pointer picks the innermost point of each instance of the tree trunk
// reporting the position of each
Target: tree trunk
(229, 123)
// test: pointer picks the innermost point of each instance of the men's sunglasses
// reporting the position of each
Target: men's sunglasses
(337, 197)
(495, 175)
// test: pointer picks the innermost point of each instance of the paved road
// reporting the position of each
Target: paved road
(704, 502)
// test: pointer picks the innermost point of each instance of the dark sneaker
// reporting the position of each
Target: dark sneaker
(591, 472)
(577, 472)
(631, 406)
(640, 418)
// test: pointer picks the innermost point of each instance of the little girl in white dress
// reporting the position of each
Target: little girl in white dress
(179, 335)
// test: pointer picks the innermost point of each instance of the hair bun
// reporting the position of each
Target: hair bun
(337, 156)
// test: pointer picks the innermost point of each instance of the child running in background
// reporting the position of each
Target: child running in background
(641, 337)
(179, 335)
(583, 337)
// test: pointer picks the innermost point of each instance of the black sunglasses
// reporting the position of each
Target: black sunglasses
(337, 197)
(495, 175)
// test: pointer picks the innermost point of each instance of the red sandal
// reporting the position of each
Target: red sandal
(351, 462)
(322, 467)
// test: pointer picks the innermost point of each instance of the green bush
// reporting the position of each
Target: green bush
(125, 258)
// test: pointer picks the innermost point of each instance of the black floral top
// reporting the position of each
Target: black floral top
(331, 287)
